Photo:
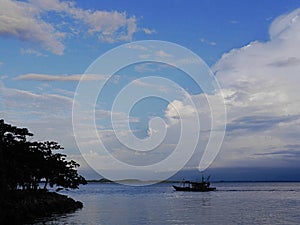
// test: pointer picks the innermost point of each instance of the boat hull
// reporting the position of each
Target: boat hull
(206, 189)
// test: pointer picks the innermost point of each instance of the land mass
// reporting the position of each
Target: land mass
(18, 207)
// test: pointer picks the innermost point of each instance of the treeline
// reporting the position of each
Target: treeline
(25, 164)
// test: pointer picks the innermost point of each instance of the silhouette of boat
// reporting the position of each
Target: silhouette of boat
(203, 186)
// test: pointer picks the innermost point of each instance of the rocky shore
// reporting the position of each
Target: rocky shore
(20, 207)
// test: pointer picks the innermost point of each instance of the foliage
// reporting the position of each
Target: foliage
(24, 164)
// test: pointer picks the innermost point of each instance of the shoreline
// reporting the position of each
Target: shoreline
(19, 207)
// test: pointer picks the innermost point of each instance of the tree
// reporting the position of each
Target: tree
(12, 140)
(24, 164)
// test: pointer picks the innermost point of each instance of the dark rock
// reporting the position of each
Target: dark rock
(24, 206)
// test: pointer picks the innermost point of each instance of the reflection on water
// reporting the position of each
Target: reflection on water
(232, 203)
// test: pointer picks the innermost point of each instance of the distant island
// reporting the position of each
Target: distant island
(27, 170)
(128, 181)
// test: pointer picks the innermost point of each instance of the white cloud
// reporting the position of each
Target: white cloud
(260, 83)
(146, 67)
(21, 20)
(73, 77)
(24, 107)
(149, 31)
(163, 54)
(177, 111)
(25, 101)
(25, 21)
(285, 26)
(110, 26)
(47, 116)
(204, 41)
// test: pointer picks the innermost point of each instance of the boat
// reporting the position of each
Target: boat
(203, 186)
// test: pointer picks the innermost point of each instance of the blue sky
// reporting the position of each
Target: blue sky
(250, 46)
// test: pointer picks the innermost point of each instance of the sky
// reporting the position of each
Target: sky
(251, 48)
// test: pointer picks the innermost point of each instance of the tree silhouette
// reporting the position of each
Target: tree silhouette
(25, 164)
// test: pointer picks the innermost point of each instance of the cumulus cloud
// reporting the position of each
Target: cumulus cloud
(176, 111)
(26, 21)
(265, 74)
(260, 83)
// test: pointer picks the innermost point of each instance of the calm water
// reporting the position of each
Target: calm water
(232, 203)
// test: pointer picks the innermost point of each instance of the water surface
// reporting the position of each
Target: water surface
(232, 203)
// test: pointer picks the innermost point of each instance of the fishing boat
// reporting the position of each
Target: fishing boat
(203, 186)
